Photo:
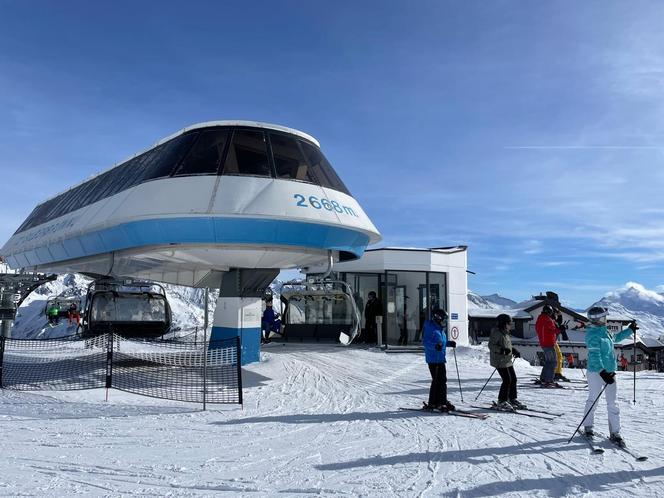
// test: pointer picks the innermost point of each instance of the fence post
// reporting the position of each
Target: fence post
(239, 368)
(109, 362)
(2, 359)
(206, 345)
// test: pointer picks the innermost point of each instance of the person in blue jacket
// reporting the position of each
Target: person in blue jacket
(270, 321)
(435, 342)
(602, 369)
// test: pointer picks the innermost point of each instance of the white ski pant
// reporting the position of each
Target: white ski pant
(595, 385)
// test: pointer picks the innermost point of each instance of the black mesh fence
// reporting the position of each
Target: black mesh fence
(196, 372)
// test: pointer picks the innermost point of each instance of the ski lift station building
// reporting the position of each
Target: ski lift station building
(410, 282)
(222, 204)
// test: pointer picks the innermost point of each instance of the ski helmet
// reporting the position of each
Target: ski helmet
(439, 315)
(547, 309)
(598, 314)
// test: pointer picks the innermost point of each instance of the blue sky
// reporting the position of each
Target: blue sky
(530, 131)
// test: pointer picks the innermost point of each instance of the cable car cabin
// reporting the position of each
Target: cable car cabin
(135, 310)
(63, 308)
(320, 311)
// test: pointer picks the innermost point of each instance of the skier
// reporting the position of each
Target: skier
(270, 321)
(501, 353)
(547, 333)
(73, 314)
(602, 369)
(623, 362)
(562, 330)
(435, 341)
(53, 313)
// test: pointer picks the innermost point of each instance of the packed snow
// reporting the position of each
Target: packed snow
(324, 420)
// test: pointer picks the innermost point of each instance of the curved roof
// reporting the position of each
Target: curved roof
(240, 122)
(196, 126)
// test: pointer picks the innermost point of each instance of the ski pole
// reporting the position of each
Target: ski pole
(586, 415)
(457, 369)
(634, 360)
(487, 381)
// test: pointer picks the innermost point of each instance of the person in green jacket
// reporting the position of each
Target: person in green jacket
(53, 313)
(602, 369)
(501, 354)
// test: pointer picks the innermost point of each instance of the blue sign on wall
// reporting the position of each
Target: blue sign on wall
(455, 316)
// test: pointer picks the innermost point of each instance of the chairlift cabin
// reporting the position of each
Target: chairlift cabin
(320, 310)
(63, 305)
(130, 308)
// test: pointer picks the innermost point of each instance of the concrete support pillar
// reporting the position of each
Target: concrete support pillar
(239, 317)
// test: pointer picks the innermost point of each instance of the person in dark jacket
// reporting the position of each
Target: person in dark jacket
(435, 341)
(270, 321)
(372, 309)
(501, 354)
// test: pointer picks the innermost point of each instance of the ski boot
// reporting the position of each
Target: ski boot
(517, 405)
(617, 439)
(447, 407)
(503, 406)
(561, 377)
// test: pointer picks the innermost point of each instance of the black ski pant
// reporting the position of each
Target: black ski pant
(508, 387)
(438, 390)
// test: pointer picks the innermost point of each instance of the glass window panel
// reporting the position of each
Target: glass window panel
(206, 155)
(247, 155)
(161, 162)
(288, 159)
(322, 169)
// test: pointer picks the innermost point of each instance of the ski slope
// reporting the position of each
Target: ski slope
(323, 420)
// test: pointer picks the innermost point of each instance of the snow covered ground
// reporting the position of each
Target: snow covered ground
(323, 420)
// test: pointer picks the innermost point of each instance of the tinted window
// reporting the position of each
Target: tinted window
(322, 169)
(247, 154)
(160, 162)
(205, 156)
(288, 159)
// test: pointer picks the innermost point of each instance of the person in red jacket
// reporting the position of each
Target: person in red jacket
(547, 333)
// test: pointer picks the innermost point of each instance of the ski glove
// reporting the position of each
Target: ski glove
(633, 326)
(439, 347)
(505, 351)
(451, 344)
(607, 377)
(515, 353)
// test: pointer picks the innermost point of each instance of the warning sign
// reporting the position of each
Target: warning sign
(455, 333)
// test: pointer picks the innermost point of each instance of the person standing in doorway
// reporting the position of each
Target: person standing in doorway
(435, 342)
(547, 334)
(372, 309)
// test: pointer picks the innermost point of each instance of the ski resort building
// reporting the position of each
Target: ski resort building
(648, 355)
(409, 283)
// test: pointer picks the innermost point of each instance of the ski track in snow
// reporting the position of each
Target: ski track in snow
(323, 420)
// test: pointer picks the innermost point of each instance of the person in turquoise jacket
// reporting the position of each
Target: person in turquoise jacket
(435, 342)
(602, 368)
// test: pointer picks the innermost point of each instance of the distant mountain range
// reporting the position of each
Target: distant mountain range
(631, 301)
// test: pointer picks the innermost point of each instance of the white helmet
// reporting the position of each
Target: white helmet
(598, 314)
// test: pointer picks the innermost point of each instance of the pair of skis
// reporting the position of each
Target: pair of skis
(526, 412)
(619, 445)
(456, 412)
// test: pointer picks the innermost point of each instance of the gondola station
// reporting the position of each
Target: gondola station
(404, 285)
(222, 204)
